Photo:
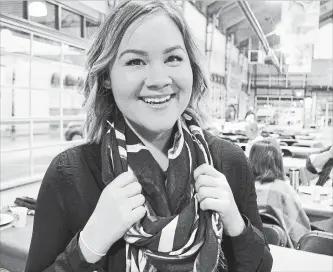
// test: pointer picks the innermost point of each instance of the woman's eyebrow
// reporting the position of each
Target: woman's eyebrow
(144, 53)
(134, 51)
(172, 48)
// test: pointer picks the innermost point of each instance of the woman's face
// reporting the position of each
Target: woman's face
(152, 78)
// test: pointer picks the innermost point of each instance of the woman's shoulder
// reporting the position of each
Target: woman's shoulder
(76, 165)
(74, 161)
(283, 187)
(225, 151)
(75, 156)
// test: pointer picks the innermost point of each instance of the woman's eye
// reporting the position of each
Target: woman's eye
(174, 59)
(135, 62)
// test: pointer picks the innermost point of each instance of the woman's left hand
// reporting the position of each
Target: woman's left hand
(214, 193)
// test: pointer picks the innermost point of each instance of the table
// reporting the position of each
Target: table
(14, 246)
(292, 260)
(316, 211)
(15, 243)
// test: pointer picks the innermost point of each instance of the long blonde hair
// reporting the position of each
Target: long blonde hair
(99, 102)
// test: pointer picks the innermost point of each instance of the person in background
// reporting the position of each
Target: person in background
(253, 134)
(151, 190)
(276, 194)
(321, 164)
(214, 128)
(231, 114)
(250, 117)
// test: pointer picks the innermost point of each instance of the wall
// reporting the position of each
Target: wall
(197, 24)
(93, 9)
(99, 5)
(217, 61)
(322, 71)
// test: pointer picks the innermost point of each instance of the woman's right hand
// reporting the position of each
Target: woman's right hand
(119, 207)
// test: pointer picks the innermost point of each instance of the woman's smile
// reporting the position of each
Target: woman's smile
(158, 102)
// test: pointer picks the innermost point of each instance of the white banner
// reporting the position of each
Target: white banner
(299, 30)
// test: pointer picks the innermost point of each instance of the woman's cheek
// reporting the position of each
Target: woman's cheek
(183, 77)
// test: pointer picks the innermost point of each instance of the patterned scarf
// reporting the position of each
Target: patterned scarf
(175, 234)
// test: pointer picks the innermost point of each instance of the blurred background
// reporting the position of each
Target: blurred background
(273, 58)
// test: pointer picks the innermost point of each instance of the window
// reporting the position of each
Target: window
(46, 48)
(91, 28)
(74, 55)
(41, 84)
(14, 41)
(16, 8)
(71, 23)
(50, 19)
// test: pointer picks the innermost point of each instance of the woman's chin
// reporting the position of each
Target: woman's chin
(160, 127)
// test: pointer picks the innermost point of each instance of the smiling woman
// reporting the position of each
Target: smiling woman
(151, 190)
(152, 79)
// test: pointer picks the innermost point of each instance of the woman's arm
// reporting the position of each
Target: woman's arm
(316, 162)
(250, 249)
(53, 246)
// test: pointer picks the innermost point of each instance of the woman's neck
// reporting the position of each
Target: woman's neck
(158, 141)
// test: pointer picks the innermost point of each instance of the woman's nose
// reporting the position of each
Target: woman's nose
(157, 78)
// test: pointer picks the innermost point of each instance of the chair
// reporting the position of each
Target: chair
(274, 233)
(317, 242)
(268, 218)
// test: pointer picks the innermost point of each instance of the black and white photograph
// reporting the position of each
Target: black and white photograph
(166, 136)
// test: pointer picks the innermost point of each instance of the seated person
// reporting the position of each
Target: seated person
(322, 165)
(274, 193)
(250, 117)
(253, 133)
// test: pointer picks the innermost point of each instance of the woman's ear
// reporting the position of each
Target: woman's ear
(107, 84)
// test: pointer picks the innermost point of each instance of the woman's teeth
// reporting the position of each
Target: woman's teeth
(157, 100)
(158, 103)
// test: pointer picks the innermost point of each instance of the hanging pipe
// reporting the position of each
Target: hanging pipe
(245, 7)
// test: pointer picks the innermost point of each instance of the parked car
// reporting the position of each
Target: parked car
(74, 131)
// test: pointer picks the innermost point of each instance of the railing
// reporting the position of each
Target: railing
(29, 147)
(293, 81)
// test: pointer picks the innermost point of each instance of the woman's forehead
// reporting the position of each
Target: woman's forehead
(157, 28)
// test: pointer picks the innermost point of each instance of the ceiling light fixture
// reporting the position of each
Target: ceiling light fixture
(37, 9)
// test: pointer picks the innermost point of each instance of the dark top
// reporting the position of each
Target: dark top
(70, 191)
(324, 174)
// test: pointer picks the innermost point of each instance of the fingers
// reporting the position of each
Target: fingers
(123, 180)
(206, 169)
(206, 181)
(137, 214)
(136, 201)
(132, 189)
(209, 192)
(213, 205)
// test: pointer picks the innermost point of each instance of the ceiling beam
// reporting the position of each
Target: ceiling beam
(214, 7)
(245, 7)
(238, 20)
(225, 6)
(228, 7)
(326, 19)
